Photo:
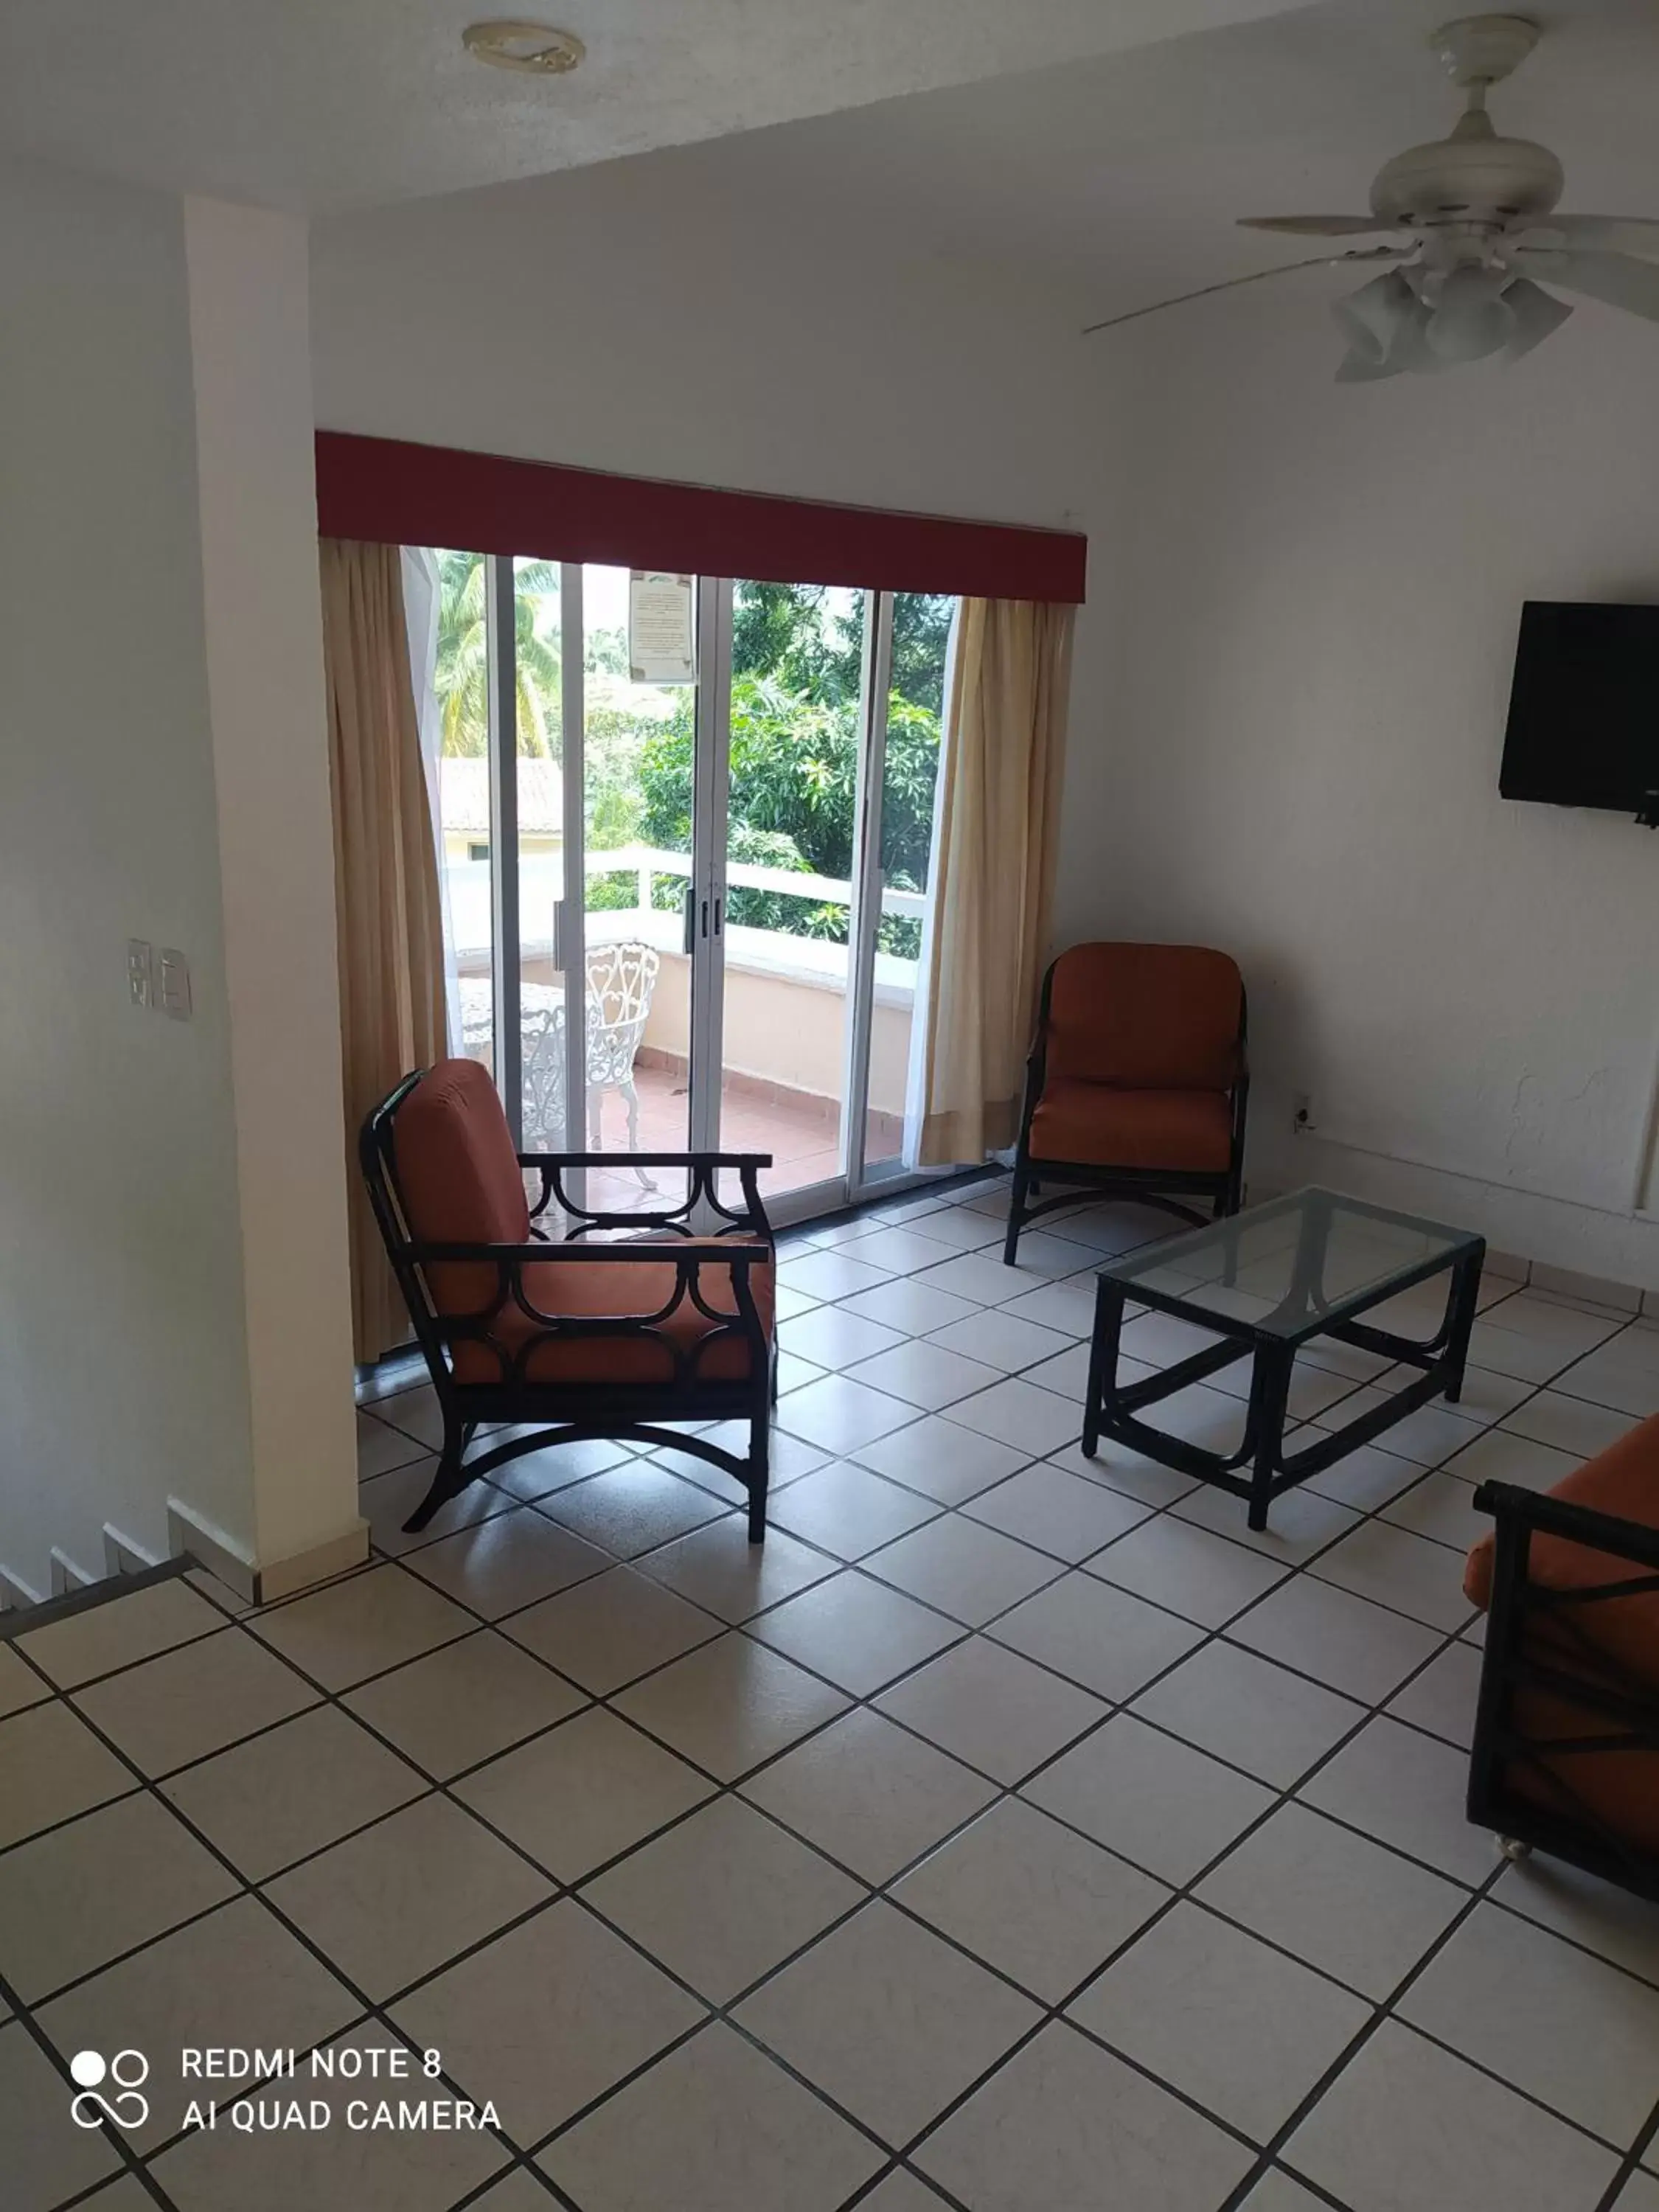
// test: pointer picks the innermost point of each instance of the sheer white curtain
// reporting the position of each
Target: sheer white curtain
(420, 574)
(915, 1085)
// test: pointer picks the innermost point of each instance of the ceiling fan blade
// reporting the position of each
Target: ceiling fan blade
(1616, 279)
(1317, 226)
(1616, 233)
(1231, 284)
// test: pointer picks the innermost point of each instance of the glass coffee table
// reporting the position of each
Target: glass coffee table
(1266, 1282)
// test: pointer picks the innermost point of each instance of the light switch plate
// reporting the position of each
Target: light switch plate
(175, 983)
(141, 972)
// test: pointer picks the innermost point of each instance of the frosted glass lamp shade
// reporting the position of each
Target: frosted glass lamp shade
(1471, 319)
(1373, 319)
(1537, 312)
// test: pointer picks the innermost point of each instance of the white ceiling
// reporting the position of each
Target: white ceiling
(328, 104)
(1120, 178)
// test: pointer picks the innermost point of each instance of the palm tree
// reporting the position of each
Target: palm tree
(462, 680)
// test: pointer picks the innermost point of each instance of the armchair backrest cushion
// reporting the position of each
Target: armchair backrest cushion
(1144, 1016)
(459, 1177)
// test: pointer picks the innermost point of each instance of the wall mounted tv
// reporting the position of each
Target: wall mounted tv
(1584, 727)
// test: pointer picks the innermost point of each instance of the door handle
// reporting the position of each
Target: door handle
(690, 945)
(558, 935)
(717, 917)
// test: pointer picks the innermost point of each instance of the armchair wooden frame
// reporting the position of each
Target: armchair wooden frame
(1541, 1642)
(565, 1411)
(1224, 1188)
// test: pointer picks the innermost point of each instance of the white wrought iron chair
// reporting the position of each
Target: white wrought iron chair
(621, 979)
(542, 1073)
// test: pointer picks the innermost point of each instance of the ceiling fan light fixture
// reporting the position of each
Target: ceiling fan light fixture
(1358, 367)
(1476, 217)
(1471, 319)
(1538, 314)
(1374, 319)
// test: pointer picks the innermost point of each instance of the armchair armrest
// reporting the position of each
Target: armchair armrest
(745, 1253)
(511, 1294)
(1532, 1511)
(701, 1170)
(755, 1160)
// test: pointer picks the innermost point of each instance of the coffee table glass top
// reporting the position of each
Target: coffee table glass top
(1293, 1266)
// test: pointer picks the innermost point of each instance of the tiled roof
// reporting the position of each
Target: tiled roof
(464, 788)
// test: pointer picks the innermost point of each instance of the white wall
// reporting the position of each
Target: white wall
(173, 1321)
(1314, 592)
(123, 1368)
(254, 436)
(662, 316)
(668, 317)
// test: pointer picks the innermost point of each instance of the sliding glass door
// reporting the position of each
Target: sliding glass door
(624, 926)
(690, 889)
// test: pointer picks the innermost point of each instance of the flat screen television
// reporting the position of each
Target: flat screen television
(1583, 726)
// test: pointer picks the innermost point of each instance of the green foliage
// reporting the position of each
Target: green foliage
(794, 770)
(789, 631)
(612, 737)
(462, 665)
(797, 661)
(606, 653)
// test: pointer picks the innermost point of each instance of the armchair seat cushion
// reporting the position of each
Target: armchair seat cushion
(461, 1184)
(1098, 1125)
(1622, 1481)
(619, 1290)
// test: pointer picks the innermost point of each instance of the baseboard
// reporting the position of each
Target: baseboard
(122, 1556)
(68, 1577)
(21, 1619)
(320, 1563)
(189, 1536)
(263, 1583)
(15, 1594)
(1578, 1250)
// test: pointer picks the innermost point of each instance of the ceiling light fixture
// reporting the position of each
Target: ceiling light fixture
(1475, 218)
(510, 44)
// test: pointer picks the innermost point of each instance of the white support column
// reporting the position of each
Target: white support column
(250, 345)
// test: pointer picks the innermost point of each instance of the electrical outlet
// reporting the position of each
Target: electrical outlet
(175, 970)
(1301, 1112)
(141, 972)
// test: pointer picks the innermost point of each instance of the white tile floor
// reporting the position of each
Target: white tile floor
(1014, 1832)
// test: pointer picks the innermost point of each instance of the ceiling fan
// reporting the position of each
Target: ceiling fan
(1475, 214)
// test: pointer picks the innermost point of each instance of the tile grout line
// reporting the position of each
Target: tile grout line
(1377, 1711)
(244, 1889)
(731, 1788)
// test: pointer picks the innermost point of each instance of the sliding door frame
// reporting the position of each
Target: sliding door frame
(706, 889)
(710, 797)
(506, 954)
(864, 915)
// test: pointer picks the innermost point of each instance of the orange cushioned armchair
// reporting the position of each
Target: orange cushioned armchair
(1136, 1084)
(568, 1339)
(1566, 1753)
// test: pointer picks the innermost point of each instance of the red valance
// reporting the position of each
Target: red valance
(391, 492)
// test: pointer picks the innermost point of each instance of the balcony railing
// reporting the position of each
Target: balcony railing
(542, 883)
(645, 861)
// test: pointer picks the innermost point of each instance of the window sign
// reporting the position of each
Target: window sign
(659, 632)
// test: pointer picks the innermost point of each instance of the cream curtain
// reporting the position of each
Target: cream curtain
(993, 871)
(385, 881)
